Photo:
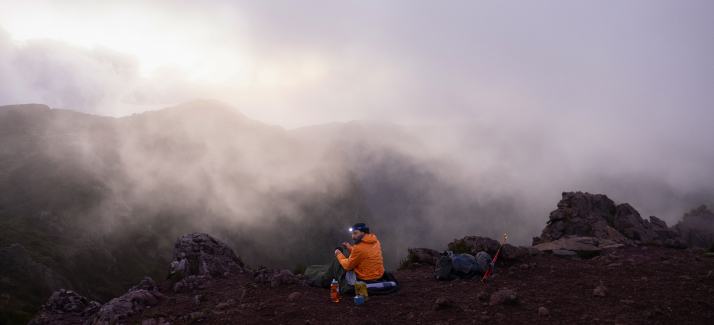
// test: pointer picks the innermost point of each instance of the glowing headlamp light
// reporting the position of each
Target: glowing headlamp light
(358, 228)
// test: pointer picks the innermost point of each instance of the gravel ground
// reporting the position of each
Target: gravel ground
(635, 285)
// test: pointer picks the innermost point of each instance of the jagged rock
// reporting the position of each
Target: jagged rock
(66, 301)
(190, 283)
(277, 277)
(628, 221)
(147, 284)
(425, 255)
(502, 296)
(203, 254)
(124, 306)
(595, 215)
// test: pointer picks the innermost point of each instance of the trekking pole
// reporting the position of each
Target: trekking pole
(488, 272)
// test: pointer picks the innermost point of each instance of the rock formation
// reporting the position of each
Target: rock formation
(203, 254)
(595, 215)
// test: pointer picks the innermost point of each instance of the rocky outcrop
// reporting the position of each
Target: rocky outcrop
(277, 277)
(476, 244)
(203, 254)
(119, 308)
(66, 302)
(596, 216)
(15, 259)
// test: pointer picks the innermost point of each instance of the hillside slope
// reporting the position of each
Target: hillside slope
(100, 200)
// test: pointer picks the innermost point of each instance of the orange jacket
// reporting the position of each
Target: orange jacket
(365, 258)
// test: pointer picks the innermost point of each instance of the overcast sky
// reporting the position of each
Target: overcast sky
(641, 64)
(605, 89)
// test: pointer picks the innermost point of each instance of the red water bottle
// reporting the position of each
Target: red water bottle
(335, 291)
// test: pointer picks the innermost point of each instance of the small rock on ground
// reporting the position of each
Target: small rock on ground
(543, 311)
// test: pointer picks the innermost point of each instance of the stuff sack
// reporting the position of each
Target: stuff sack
(444, 270)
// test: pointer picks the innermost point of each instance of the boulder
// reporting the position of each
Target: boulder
(203, 254)
(502, 297)
(66, 301)
(595, 215)
(277, 277)
(424, 255)
(124, 306)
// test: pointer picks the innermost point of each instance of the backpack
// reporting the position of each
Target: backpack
(462, 266)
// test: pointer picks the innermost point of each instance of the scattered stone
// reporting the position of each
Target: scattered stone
(524, 266)
(543, 311)
(294, 296)
(627, 302)
(600, 291)
(445, 302)
(709, 274)
(644, 278)
(502, 296)
(709, 254)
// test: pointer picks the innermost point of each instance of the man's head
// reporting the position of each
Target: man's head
(358, 230)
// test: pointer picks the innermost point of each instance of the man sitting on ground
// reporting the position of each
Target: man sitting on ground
(366, 255)
(365, 262)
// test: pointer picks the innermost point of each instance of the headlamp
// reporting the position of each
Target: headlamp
(358, 228)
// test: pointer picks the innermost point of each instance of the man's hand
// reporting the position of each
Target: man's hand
(346, 245)
(337, 252)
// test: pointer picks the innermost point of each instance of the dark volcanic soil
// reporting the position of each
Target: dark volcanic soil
(645, 285)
